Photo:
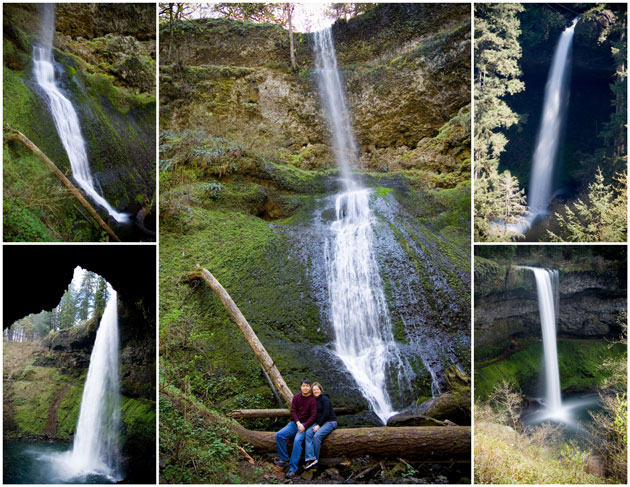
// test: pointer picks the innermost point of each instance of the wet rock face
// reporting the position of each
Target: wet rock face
(544, 28)
(426, 296)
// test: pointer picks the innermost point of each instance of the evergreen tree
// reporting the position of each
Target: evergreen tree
(42, 323)
(497, 51)
(101, 296)
(86, 294)
(55, 319)
(68, 309)
(615, 130)
(504, 205)
(602, 218)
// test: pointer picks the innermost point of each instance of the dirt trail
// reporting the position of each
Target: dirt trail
(51, 423)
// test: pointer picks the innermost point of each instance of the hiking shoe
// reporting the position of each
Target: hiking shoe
(310, 464)
(280, 463)
(289, 475)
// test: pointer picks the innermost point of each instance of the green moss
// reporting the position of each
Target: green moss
(138, 417)
(578, 360)
(382, 192)
(68, 411)
(100, 84)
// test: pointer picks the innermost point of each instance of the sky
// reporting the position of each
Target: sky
(307, 17)
(311, 15)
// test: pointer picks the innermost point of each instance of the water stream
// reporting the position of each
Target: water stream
(549, 133)
(363, 331)
(65, 116)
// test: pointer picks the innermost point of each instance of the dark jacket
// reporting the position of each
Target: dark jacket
(325, 411)
(304, 409)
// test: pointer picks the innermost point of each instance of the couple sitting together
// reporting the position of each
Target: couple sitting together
(313, 419)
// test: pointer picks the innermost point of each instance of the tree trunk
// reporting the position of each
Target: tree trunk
(17, 135)
(273, 413)
(427, 444)
(289, 8)
(263, 357)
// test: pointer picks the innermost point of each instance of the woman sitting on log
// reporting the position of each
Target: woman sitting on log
(325, 423)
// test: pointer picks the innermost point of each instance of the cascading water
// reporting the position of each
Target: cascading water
(363, 332)
(334, 101)
(65, 116)
(547, 284)
(549, 132)
(96, 448)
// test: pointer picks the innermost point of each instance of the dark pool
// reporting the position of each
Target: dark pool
(33, 463)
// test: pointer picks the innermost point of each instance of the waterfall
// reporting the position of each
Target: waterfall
(64, 114)
(547, 283)
(334, 103)
(548, 139)
(96, 448)
(363, 331)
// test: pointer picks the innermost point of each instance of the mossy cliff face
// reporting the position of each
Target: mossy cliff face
(406, 79)
(592, 295)
(105, 65)
(43, 386)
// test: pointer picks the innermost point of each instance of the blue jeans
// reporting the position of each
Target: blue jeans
(290, 431)
(314, 439)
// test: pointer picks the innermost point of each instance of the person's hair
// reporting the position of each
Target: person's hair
(317, 384)
(306, 381)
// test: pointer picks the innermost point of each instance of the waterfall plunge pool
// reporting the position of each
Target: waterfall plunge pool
(576, 419)
(38, 463)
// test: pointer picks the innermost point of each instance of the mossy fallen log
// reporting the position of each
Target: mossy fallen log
(426, 444)
(19, 136)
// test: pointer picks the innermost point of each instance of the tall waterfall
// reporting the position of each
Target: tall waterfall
(363, 330)
(547, 285)
(96, 448)
(334, 103)
(64, 114)
(548, 140)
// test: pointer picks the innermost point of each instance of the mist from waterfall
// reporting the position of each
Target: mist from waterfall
(363, 330)
(64, 114)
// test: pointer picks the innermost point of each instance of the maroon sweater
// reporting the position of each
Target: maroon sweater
(304, 409)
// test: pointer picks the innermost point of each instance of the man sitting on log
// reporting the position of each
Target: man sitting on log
(303, 414)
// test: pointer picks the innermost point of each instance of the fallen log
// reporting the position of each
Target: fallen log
(426, 444)
(263, 357)
(17, 135)
(274, 413)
